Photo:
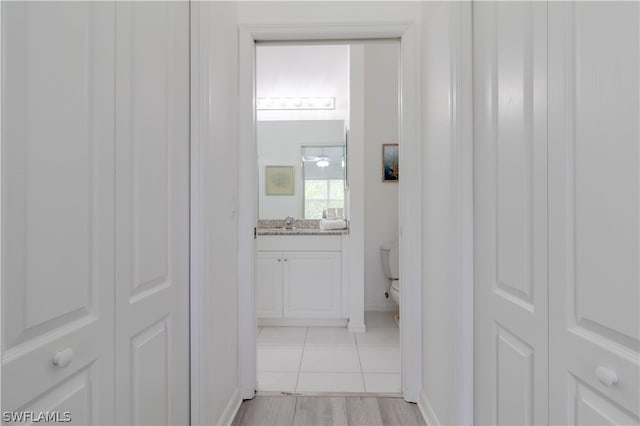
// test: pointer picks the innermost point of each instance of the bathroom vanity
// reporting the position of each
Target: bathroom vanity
(299, 277)
(301, 271)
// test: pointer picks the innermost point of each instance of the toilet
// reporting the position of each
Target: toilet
(391, 266)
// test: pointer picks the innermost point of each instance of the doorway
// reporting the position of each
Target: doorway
(309, 97)
(409, 205)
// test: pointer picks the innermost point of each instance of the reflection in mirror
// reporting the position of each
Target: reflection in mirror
(302, 114)
(280, 144)
(323, 173)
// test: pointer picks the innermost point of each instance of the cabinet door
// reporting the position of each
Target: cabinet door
(311, 284)
(269, 284)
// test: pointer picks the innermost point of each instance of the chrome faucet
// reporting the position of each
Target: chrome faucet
(289, 222)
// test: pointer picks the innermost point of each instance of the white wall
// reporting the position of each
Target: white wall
(445, 395)
(310, 12)
(381, 198)
(214, 130)
(279, 144)
(438, 295)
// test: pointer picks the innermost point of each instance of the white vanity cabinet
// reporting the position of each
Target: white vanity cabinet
(299, 277)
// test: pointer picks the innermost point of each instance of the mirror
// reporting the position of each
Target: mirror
(302, 110)
(299, 146)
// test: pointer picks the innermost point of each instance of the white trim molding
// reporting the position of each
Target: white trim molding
(248, 213)
(427, 412)
(356, 190)
(464, 93)
(410, 213)
(197, 248)
(410, 205)
(230, 410)
(1, 193)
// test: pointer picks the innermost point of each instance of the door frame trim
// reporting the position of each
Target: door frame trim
(197, 248)
(410, 206)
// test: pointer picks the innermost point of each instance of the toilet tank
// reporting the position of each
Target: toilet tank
(390, 260)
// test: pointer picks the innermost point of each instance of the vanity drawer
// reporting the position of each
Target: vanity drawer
(299, 242)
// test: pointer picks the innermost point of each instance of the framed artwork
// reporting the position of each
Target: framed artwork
(278, 180)
(390, 162)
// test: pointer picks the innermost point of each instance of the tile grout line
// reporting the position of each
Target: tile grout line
(280, 345)
(375, 346)
(304, 346)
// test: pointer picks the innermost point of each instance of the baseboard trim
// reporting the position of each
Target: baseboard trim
(333, 394)
(426, 410)
(231, 409)
(301, 322)
(381, 308)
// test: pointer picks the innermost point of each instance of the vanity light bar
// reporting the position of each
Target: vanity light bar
(295, 103)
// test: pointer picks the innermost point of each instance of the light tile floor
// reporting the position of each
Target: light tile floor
(330, 359)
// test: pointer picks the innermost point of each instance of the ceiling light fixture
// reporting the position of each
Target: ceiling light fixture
(295, 103)
(322, 162)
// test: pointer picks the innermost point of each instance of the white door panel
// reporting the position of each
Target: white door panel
(311, 284)
(58, 157)
(592, 408)
(269, 284)
(593, 211)
(71, 397)
(510, 212)
(152, 199)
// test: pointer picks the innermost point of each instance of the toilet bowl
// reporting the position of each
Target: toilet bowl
(391, 267)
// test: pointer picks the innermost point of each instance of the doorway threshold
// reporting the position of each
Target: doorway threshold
(333, 394)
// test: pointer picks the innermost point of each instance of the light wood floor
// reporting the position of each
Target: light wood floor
(327, 410)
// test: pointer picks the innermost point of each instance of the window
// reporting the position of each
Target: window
(323, 175)
(322, 194)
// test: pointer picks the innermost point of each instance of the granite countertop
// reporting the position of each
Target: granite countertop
(300, 227)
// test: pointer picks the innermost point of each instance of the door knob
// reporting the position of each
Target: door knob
(63, 358)
(606, 376)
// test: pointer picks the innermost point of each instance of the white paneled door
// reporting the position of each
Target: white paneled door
(57, 209)
(510, 212)
(594, 257)
(152, 213)
(95, 203)
(557, 220)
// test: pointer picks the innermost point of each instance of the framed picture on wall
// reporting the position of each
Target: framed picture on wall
(278, 180)
(390, 162)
